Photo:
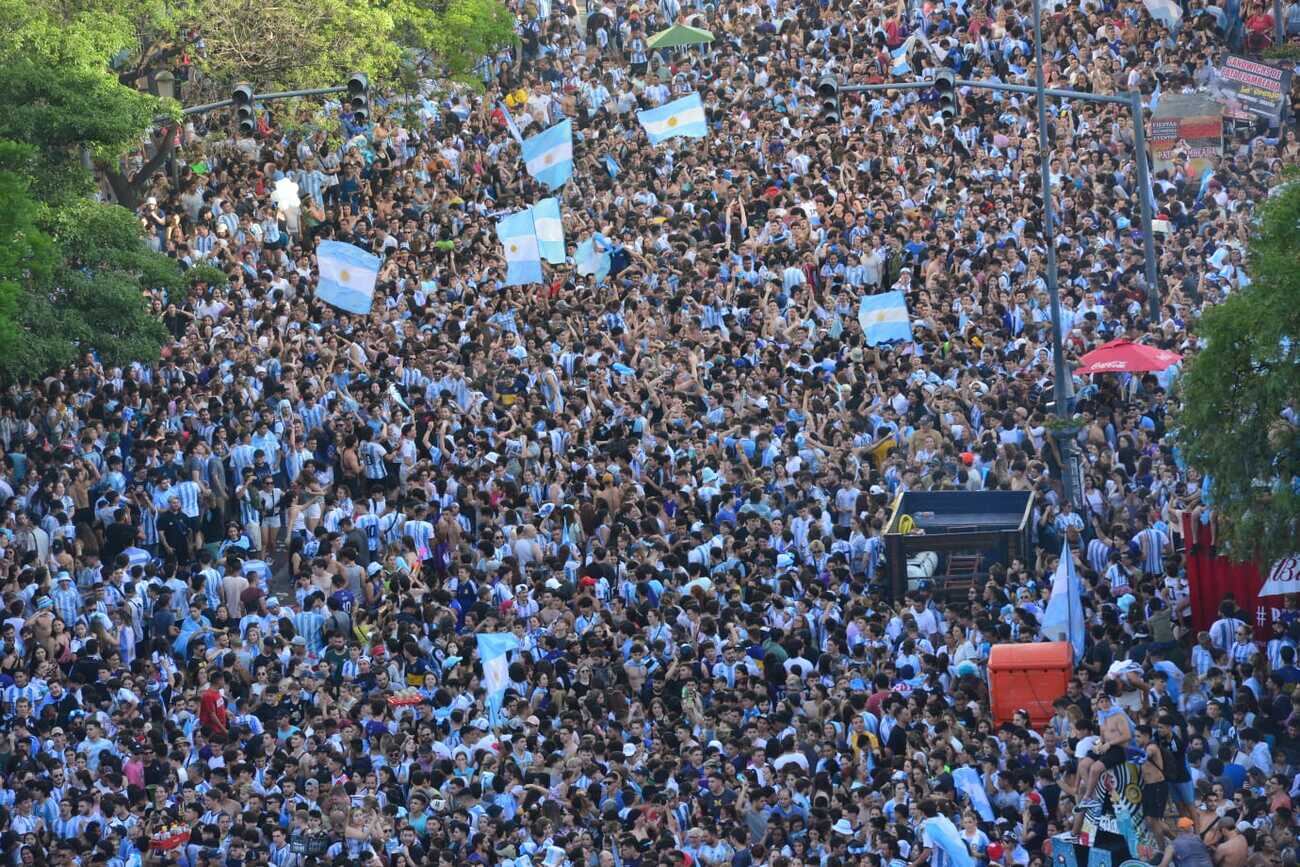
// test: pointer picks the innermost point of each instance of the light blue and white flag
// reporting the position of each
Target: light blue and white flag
(519, 237)
(683, 116)
(550, 230)
(612, 166)
(968, 782)
(1063, 619)
(492, 650)
(942, 834)
(593, 258)
(884, 318)
(900, 64)
(1206, 177)
(1167, 12)
(347, 276)
(548, 155)
(510, 123)
(1154, 103)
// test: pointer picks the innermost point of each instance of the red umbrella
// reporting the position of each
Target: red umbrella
(1125, 356)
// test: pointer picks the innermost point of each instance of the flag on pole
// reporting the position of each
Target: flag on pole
(519, 237)
(593, 257)
(683, 116)
(347, 276)
(510, 123)
(1063, 619)
(550, 230)
(884, 318)
(548, 155)
(1155, 98)
(492, 650)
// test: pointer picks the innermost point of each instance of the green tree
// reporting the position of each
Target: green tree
(27, 255)
(1235, 390)
(457, 34)
(73, 271)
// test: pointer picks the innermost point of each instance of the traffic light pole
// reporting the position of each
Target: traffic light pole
(263, 97)
(1062, 383)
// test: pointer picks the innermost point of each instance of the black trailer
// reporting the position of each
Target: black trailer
(951, 538)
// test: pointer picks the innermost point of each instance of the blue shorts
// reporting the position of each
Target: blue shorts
(1182, 793)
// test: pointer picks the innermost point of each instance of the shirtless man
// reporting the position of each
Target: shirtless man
(449, 529)
(1155, 785)
(1115, 734)
(1233, 850)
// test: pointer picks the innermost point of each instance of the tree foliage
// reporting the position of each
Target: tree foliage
(73, 271)
(27, 254)
(1234, 392)
(76, 78)
(456, 33)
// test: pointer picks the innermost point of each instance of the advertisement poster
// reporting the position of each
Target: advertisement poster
(1186, 134)
(1248, 89)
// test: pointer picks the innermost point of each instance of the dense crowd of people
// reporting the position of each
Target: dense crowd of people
(244, 583)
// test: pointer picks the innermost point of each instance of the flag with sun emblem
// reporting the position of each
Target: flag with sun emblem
(884, 318)
(347, 276)
(548, 155)
(683, 116)
(519, 237)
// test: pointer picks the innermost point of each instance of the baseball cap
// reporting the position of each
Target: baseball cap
(1185, 824)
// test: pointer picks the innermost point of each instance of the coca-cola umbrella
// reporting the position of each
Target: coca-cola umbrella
(1125, 356)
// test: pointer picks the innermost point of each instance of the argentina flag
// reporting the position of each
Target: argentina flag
(492, 650)
(1064, 620)
(347, 276)
(550, 230)
(884, 318)
(592, 258)
(519, 238)
(683, 116)
(940, 833)
(548, 156)
(900, 63)
(510, 123)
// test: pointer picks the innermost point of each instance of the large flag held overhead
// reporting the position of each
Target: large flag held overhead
(900, 63)
(884, 318)
(550, 230)
(519, 237)
(492, 650)
(683, 116)
(1167, 12)
(347, 276)
(593, 257)
(549, 154)
(1063, 619)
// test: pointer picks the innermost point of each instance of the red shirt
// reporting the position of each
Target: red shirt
(212, 711)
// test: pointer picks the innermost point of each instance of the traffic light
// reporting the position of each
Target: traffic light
(359, 97)
(828, 93)
(945, 84)
(242, 98)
